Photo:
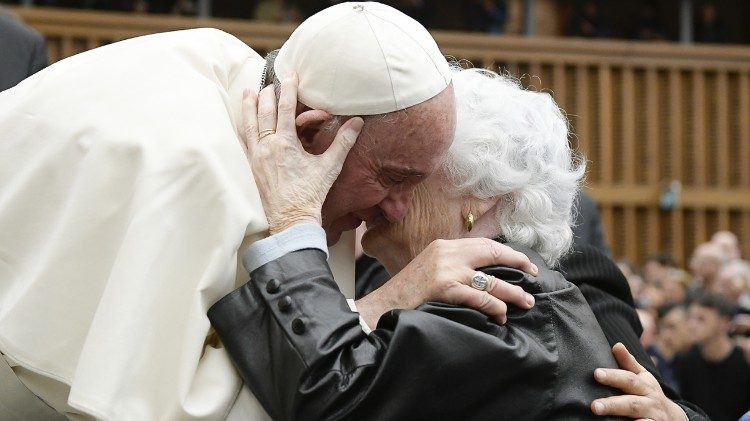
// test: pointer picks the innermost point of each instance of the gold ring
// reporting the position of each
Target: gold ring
(265, 133)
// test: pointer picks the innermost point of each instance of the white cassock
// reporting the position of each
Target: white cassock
(125, 202)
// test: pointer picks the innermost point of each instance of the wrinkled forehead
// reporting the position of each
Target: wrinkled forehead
(418, 140)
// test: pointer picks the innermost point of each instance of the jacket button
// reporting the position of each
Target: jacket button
(285, 303)
(298, 326)
(272, 286)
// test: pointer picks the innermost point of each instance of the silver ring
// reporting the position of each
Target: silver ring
(479, 281)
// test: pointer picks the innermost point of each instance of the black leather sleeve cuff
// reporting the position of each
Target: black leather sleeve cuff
(289, 320)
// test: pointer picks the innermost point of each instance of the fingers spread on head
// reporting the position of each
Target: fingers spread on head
(288, 106)
(249, 119)
(344, 141)
(267, 109)
(624, 406)
(512, 294)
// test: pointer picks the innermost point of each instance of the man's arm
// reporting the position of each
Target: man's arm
(302, 352)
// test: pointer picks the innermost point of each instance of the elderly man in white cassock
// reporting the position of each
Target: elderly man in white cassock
(127, 202)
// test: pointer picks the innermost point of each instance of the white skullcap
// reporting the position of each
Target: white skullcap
(362, 59)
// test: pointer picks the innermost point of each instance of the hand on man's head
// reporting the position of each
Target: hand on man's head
(292, 183)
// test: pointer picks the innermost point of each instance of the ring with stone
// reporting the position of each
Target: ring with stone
(480, 281)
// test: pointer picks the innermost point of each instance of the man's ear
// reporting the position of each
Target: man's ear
(309, 124)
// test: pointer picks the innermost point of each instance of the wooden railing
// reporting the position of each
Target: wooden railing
(643, 115)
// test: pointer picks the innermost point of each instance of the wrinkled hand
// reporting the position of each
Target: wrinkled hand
(443, 271)
(292, 183)
(644, 400)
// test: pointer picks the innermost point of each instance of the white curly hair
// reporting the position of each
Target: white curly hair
(513, 144)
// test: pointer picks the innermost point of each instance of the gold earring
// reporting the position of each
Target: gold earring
(469, 221)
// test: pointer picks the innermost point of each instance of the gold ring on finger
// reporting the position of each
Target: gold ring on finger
(265, 133)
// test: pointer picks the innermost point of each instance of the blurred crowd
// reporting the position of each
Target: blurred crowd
(641, 20)
(696, 323)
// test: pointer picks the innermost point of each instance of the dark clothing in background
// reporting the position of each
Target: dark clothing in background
(587, 225)
(22, 51)
(607, 292)
(722, 389)
(304, 355)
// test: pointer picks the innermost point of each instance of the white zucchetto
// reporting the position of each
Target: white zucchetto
(360, 58)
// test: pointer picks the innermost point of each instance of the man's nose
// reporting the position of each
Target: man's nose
(395, 205)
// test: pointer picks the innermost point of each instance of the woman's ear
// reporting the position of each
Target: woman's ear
(483, 212)
(309, 124)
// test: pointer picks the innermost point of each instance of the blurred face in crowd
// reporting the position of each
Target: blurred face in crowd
(673, 330)
(652, 296)
(654, 271)
(728, 244)
(731, 284)
(706, 263)
(706, 324)
(673, 286)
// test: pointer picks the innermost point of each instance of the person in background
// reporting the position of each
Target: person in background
(714, 373)
(657, 265)
(487, 16)
(709, 27)
(649, 24)
(24, 51)
(675, 285)
(728, 243)
(672, 338)
(705, 265)
(588, 22)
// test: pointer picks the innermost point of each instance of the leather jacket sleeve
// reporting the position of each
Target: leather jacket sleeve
(302, 352)
(607, 292)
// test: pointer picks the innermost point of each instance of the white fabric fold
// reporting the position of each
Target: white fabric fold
(125, 198)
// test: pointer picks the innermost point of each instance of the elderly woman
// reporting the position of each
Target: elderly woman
(510, 175)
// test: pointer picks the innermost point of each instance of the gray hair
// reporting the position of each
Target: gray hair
(512, 144)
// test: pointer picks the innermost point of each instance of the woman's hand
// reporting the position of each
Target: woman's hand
(644, 400)
(292, 183)
(443, 271)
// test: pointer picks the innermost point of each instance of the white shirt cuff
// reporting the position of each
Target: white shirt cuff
(362, 323)
(297, 237)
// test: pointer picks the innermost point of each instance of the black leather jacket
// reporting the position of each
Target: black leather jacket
(302, 351)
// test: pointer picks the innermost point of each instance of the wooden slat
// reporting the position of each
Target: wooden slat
(652, 128)
(604, 139)
(92, 43)
(558, 85)
(628, 113)
(722, 130)
(678, 236)
(675, 125)
(67, 49)
(744, 129)
(581, 111)
(699, 128)
(724, 219)
(690, 197)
